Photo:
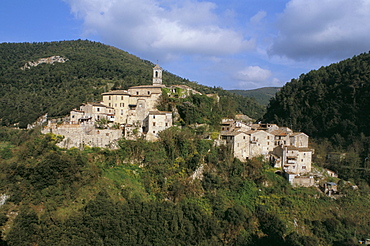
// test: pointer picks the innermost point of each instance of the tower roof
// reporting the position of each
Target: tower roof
(157, 67)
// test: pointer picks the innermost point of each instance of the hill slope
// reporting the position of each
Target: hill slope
(331, 102)
(90, 69)
(147, 193)
(262, 95)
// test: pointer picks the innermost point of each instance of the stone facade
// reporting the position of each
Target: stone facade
(84, 134)
(133, 110)
(287, 150)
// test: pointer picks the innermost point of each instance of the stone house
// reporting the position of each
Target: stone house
(281, 137)
(133, 106)
(299, 139)
(285, 149)
(292, 159)
(155, 122)
(261, 143)
(92, 112)
(239, 143)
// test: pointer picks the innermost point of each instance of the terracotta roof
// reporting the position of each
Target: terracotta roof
(146, 86)
(279, 132)
(95, 104)
(302, 149)
(227, 133)
(116, 92)
(297, 133)
(159, 112)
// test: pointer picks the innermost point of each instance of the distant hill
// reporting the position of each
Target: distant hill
(55, 77)
(332, 102)
(262, 95)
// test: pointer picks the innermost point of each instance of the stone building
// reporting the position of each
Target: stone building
(286, 150)
(133, 110)
(155, 122)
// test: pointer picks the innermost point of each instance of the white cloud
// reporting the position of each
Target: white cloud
(254, 76)
(323, 29)
(156, 29)
(258, 17)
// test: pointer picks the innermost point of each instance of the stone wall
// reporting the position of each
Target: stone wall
(82, 135)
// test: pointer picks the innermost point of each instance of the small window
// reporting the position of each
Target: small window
(243, 137)
(121, 97)
(166, 124)
(153, 116)
(301, 160)
(303, 167)
(153, 123)
(153, 131)
(115, 105)
(148, 92)
(73, 116)
(137, 93)
(98, 109)
(110, 98)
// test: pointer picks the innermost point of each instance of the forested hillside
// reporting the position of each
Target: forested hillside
(332, 102)
(262, 95)
(92, 68)
(181, 190)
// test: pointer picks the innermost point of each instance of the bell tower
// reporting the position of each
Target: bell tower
(157, 75)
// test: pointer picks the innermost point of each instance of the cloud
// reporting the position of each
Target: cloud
(254, 76)
(163, 29)
(323, 29)
(258, 17)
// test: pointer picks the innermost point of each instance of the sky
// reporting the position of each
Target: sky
(233, 44)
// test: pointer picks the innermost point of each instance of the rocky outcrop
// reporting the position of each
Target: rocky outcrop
(48, 60)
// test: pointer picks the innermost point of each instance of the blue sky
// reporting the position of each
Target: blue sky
(233, 44)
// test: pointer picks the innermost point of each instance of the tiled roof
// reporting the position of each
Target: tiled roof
(116, 92)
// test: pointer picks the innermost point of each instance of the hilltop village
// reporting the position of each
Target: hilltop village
(132, 113)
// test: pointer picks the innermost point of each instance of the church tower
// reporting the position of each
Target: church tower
(157, 75)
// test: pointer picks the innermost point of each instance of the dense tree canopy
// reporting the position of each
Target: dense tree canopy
(332, 102)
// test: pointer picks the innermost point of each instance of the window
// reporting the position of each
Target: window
(121, 111)
(109, 98)
(153, 123)
(137, 93)
(115, 105)
(301, 160)
(153, 131)
(303, 167)
(109, 104)
(98, 109)
(148, 92)
(121, 97)
(268, 137)
(153, 116)
(73, 116)
(243, 137)
(166, 124)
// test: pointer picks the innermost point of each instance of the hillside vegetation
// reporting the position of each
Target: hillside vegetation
(92, 68)
(148, 193)
(332, 102)
(262, 95)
